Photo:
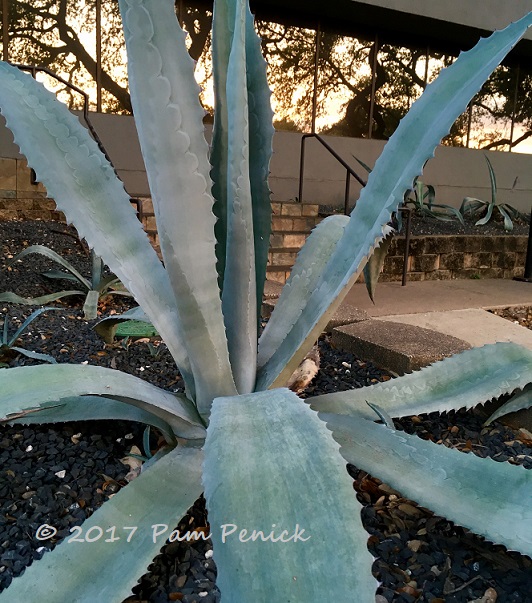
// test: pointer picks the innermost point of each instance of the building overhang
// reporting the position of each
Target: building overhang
(447, 27)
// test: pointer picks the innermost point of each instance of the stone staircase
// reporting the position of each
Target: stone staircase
(291, 224)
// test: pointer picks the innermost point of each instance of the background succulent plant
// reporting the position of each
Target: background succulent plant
(262, 455)
(472, 205)
(96, 287)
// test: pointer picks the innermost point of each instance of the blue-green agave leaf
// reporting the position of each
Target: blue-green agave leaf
(110, 285)
(239, 302)
(90, 408)
(519, 401)
(222, 34)
(448, 209)
(283, 489)
(35, 355)
(90, 307)
(24, 387)
(461, 381)
(487, 216)
(482, 495)
(106, 328)
(59, 274)
(306, 273)
(84, 186)
(508, 224)
(382, 414)
(402, 159)
(13, 298)
(493, 180)
(52, 255)
(28, 321)
(471, 205)
(170, 128)
(112, 563)
(261, 133)
(374, 265)
(97, 270)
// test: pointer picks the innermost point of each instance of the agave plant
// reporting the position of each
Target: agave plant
(96, 287)
(423, 196)
(265, 459)
(472, 205)
(8, 348)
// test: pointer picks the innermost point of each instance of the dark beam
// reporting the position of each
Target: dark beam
(365, 21)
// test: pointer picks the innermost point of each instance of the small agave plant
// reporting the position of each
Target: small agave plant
(95, 288)
(284, 519)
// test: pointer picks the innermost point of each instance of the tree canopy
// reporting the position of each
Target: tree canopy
(61, 34)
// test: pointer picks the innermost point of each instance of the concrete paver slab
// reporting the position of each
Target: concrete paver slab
(476, 327)
(396, 346)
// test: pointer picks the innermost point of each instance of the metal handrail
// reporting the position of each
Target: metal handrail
(351, 172)
(34, 69)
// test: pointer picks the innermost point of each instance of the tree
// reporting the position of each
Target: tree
(57, 34)
(61, 35)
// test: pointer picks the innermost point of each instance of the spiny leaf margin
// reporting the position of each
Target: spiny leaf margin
(402, 159)
(483, 495)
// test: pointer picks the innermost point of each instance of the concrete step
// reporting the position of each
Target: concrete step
(292, 239)
(278, 274)
(282, 256)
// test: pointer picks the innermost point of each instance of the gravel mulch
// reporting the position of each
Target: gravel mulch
(421, 225)
(425, 225)
(521, 315)
(59, 474)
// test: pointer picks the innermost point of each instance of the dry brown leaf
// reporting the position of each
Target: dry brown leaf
(305, 372)
(133, 463)
(490, 596)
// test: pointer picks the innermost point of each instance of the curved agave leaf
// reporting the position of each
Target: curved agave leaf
(261, 133)
(23, 387)
(511, 210)
(373, 267)
(27, 323)
(170, 128)
(429, 119)
(483, 495)
(307, 270)
(90, 408)
(472, 205)
(239, 302)
(37, 301)
(82, 182)
(222, 27)
(448, 208)
(282, 490)
(461, 381)
(493, 181)
(35, 355)
(52, 255)
(90, 307)
(520, 401)
(487, 216)
(97, 269)
(114, 560)
(59, 275)
(508, 224)
(106, 328)
(110, 285)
